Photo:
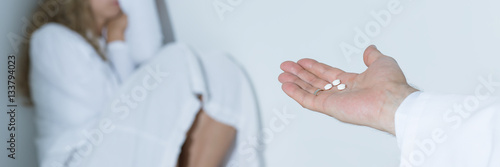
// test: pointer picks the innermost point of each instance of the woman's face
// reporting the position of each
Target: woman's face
(105, 9)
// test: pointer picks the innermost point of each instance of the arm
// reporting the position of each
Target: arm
(68, 86)
(117, 50)
(432, 129)
(370, 98)
(62, 66)
(446, 130)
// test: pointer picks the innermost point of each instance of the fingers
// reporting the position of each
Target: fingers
(290, 78)
(371, 54)
(300, 84)
(321, 70)
(303, 74)
(304, 98)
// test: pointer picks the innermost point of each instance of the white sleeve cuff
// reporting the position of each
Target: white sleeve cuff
(408, 109)
(431, 130)
(120, 59)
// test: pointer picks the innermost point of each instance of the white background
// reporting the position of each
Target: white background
(442, 46)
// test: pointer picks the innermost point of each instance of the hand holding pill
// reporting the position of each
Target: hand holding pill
(370, 98)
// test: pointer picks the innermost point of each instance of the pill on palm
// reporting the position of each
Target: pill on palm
(336, 82)
(341, 87)
(328, 86)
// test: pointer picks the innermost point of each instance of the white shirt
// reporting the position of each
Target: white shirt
(71, 84)
(435, 130)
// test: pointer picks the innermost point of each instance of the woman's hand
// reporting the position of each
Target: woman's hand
(116, 28)
(370, 99)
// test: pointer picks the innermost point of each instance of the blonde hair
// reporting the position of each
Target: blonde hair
(74, 14)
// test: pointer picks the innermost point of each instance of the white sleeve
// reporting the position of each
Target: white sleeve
(64, 70)
(68, 85)
(120, 59)
(449, 130)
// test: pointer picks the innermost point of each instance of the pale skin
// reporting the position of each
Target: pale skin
(208, 141)
(370, 99)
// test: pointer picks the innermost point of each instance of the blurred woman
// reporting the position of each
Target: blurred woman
(78, 62)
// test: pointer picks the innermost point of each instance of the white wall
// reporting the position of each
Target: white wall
(442, 46)
(11, 13)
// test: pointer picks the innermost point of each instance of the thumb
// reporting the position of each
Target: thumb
(371, 54)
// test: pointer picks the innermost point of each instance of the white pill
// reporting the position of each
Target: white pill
(341, 87)
(336, 82)
(328, 86)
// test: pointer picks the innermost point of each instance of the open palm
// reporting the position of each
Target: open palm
(370, 99)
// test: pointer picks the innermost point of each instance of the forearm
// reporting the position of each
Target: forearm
(115, 36)
(120, 59)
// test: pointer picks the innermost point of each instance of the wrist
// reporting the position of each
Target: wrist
(116, 36)
(394, 96)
